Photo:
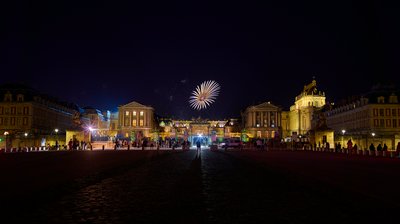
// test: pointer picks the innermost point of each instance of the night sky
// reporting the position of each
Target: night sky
(104, 54)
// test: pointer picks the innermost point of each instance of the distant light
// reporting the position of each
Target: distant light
(343, 131)
(26, 134)
(200, 135)
(91, 129)
(258, 125)
(6, 133)
(56, 130)
(373, 134)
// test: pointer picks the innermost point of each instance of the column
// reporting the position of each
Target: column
(276, 119)
(279, 119)
(130, 118)
(262, 119)
(144, 118)
(254, 119)
(123, 118)
(269, 119)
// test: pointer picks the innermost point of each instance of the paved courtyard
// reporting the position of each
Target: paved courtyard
(185, 187)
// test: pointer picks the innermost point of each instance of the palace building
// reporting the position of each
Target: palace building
(29, 118)
(263, 121)
(370, 118)
(135, 121)
(304, 122)
(301, 113)
(203, 130)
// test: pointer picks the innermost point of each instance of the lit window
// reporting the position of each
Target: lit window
(141, 123)
(134, 113)
(134, 122)
(141, 113)
(127, 113)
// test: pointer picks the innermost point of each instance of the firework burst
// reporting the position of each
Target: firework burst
(204, 95)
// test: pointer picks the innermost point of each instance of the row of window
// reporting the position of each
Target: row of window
(388, 123)
(386, 112)
(14, 110)
(134, 122)
(14, 121)
(127, 113)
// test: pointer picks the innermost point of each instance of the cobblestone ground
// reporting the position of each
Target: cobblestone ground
(216, 187)
(247, 187)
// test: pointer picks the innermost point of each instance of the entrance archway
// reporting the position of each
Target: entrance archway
(204, 140)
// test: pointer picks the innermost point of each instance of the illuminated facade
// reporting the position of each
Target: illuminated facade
(300, 116)
(372, 118)
(33, 119)
(206, 131)
(135, 121)
(99, 123)
(263, 121)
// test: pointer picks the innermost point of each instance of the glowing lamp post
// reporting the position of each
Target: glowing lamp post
(373, 137)
(343, 132)
(90, 134)
(5, 134)
(56, 131)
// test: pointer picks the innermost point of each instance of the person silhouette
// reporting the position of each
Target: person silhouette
(198, 144)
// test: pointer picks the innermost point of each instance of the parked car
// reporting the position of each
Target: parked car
(231, 143)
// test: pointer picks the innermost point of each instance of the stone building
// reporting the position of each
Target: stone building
(301, 113)
(30, 118)
(263, 121)
(135, 121)
(373, 117)
(202, 130)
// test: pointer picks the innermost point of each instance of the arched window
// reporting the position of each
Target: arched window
(20, 98)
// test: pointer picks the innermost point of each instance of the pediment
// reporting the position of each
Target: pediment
(135, 105)
(266, 105)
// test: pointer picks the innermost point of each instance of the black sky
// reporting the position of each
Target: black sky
(104, 53)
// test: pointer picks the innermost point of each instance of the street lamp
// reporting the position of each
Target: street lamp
(373, 137)
(90, 134)
(343, 132)
(5, 134)
(56, 131)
